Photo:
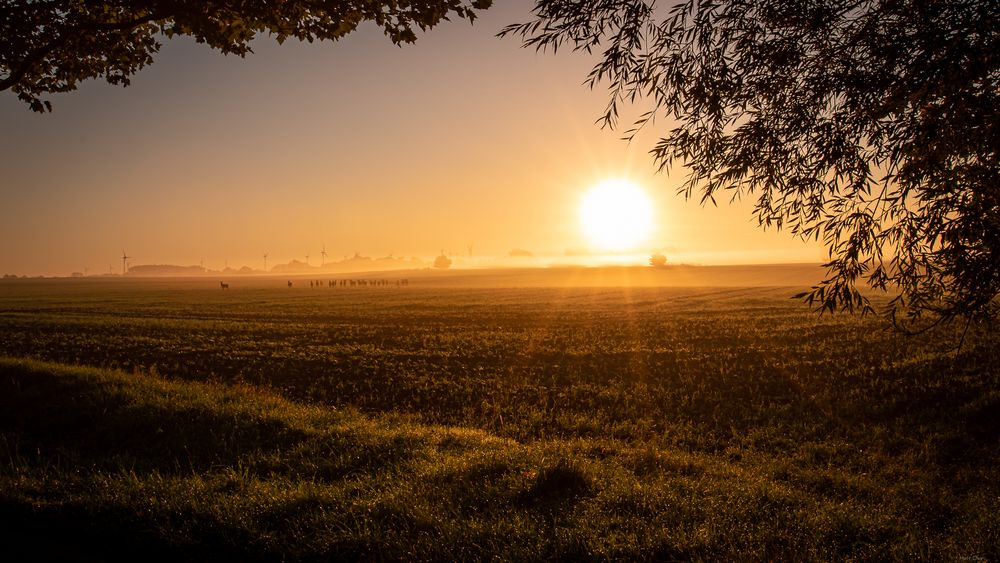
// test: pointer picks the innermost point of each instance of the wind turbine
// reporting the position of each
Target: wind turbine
(124, 262)
(323, 254)
(265, 262)
(307, 259)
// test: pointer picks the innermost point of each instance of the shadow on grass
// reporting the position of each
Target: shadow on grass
(557, 486)
(74, 533)
(95, 423)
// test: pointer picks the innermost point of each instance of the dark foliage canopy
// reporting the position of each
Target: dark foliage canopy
(869, 124)
(50, 46)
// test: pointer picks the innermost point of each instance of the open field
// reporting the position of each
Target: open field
(565, 413)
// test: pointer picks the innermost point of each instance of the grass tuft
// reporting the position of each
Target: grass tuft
(558, 484)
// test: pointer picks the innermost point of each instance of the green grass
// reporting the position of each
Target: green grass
(477, 423)
(112, 465)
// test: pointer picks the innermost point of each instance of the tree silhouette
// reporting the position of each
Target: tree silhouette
(869, 124)
(50, 46)
(442, 262)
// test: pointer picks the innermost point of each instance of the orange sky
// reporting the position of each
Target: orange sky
(459, 139)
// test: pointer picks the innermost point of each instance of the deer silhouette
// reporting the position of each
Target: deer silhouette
(224, 285)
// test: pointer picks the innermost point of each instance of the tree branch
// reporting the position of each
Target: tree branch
(39, 54)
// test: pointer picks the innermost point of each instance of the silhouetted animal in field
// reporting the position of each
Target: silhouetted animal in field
(224, 285)
(289, 283)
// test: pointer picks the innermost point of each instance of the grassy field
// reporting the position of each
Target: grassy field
(540, 416)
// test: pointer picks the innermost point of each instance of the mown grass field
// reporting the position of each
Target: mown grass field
(448, 421)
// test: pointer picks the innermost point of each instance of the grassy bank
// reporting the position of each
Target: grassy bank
(104, 464)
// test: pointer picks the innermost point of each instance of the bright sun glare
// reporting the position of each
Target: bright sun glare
(616, 215)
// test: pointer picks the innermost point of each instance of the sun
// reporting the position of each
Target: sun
(616, 215)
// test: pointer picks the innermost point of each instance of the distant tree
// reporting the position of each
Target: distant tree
(442, 262)
(657, 260)
(873, 125)
(50, 46)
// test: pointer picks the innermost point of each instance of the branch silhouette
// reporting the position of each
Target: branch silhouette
(49, 47)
